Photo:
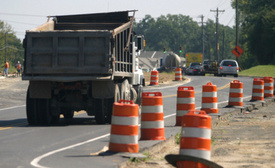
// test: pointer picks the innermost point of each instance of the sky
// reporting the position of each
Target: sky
(24, 15)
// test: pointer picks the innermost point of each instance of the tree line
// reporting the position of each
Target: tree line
(256, 34)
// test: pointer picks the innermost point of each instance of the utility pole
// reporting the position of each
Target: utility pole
(217, 32)
(6, 47)
(202, 26)
(223, 44)
(237, 26)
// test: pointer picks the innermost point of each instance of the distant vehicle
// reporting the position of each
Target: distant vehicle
(210, 67)
(193, 57)
(195, 68)
(228, 67)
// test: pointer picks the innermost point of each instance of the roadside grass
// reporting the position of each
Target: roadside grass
(260, 70)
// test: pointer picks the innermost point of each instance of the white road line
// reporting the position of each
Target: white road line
(35, 162)
(8, 108)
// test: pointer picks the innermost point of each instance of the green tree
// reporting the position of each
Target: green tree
(257, 31)
(11, 47)
(173, 31)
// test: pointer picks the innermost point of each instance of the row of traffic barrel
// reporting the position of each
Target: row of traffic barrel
(125, 127)
(195, 124)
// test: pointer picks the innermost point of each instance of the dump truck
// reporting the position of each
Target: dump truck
(81, 62)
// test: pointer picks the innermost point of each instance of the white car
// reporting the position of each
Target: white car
(228, 67)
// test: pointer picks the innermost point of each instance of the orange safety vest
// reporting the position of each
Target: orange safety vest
(7, 65)
(18, 66)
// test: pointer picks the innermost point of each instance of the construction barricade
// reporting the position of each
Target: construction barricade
(152, 123)
(195, 138)
(236, 94)
(268, 87)
(258, 90)
(178, 76)
(209, 98)
(185, 102)
(124, 128)
(154, 78)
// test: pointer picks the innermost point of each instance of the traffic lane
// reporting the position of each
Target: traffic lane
(12, 117)
(20, 144)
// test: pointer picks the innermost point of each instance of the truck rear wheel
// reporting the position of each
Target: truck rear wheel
(38, 111)
(100, 111)
(31, 110)
(67, 113)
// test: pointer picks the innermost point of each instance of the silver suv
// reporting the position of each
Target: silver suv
(228, 67)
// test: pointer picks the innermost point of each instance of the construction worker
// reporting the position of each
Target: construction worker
(6, 68)
(18, 68)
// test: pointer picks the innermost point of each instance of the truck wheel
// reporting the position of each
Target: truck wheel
(125, 90)
(99, 111)
(133, 95)
(67, 113)
(43, 107)
(139, 90)
(31, 110)
(117, 93)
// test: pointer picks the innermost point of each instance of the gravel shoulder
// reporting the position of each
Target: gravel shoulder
(239, 140)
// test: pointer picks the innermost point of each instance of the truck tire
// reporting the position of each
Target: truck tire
(139, 90)
(43, 107)
(125, 90)
(67, 113)
(38, 111)
(133, 95)
(31, 110)
(100, 111)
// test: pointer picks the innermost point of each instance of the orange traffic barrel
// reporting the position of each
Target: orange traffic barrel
(268, 87)
(124, 128)
(152, 123)
(178, 76)
(185, 102)
(209, 98)
(195, 138)
(236, 94)
(258, 90)
(154, 78)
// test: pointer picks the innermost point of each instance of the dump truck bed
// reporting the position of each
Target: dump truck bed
(78, 47)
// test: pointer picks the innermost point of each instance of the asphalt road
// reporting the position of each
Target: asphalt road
(70, 143)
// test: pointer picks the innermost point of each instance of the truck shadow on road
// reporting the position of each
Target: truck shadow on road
(23, 122)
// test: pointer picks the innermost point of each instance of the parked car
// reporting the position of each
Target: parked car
(228, 67)
(195, 68)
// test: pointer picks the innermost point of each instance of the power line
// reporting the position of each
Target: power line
(17, 14)
(19, 22)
